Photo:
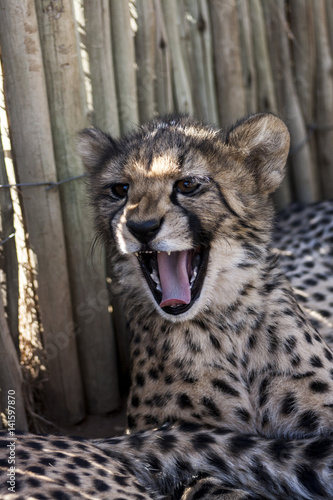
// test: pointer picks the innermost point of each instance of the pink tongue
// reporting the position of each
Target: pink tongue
(174, 278)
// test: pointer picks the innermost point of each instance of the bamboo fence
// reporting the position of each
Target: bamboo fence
(68, 64)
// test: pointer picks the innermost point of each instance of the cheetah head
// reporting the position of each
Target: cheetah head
(185, 204)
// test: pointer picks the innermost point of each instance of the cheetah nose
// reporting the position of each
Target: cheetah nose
(144, 231)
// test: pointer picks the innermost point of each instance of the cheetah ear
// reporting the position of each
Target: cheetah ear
(264, 140)
(95, 148)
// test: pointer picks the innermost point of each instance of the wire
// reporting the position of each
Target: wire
(8, 238)
(312, 128)
(49, 184)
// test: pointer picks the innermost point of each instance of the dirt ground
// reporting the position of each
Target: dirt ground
(99, 426)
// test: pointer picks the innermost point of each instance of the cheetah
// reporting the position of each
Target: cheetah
(231, 392)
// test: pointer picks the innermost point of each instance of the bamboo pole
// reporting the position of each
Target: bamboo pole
(98, 44)
(11, 380)
(145, 50)
(229, 78)
(8, 252)
(124, 64)
(247, 55)
(305, 181)
(34, 162)
(324, 98)
(163, 92)
(95, 338)
(181, 84)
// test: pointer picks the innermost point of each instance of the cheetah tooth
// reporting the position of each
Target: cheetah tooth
(155, 277)
(194, 275)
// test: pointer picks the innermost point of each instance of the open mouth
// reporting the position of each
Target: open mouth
(175, 278)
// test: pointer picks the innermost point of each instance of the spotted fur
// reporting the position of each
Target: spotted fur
(304, 241)
(235, 378)
(152, 465)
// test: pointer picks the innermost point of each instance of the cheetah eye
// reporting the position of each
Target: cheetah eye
(187, 185)
(119, 191)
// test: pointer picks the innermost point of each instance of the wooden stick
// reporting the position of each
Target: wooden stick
(96, 38)
(329, 12)
(303, 49)
(8, 252)
(208, 61)
(164, 91)
(145, 48)
(266, 91)
(34, 162)
(265, 57)
(95, 338)
(11, 380)
(124, 64)
(247, 55)
(324, 98)
(305, 180)
(200, 59)
(229, 78)
(181, 84)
